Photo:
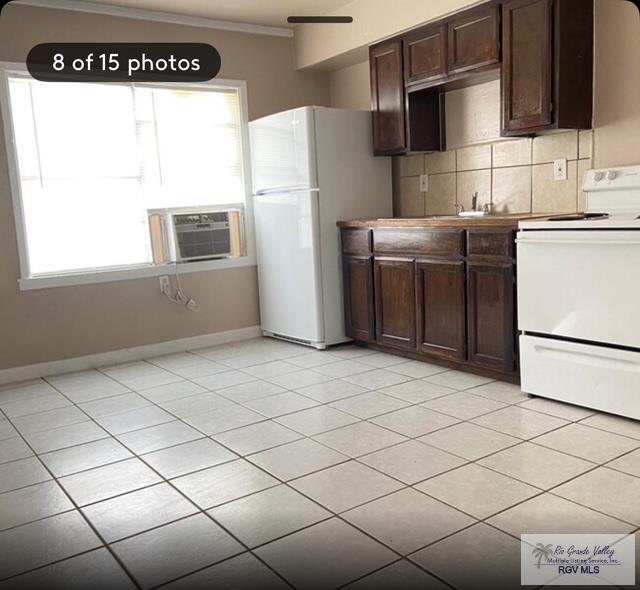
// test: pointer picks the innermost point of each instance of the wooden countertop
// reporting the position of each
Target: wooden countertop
(445, 221)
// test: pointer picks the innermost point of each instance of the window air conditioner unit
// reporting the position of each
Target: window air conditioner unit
(191, 234)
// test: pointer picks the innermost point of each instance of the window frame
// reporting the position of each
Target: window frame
(27, 282)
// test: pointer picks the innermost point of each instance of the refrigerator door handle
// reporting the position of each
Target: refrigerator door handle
(284, 191)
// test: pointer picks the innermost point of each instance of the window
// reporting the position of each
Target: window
(91, 158)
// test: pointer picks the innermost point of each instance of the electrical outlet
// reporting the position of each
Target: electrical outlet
(560, 169)
(165, 285)
(424, 183)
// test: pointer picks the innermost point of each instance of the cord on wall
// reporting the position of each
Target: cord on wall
(179, 298)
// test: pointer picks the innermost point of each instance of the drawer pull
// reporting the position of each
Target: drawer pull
(587, 358)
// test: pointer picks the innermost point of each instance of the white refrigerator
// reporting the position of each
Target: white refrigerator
(312, 167)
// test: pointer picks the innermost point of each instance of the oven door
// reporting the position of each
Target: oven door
(580, 284)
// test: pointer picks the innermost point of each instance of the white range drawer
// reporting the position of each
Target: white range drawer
(598, 377)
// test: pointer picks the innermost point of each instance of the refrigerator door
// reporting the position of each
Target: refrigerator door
(282, 151)
(288, 265)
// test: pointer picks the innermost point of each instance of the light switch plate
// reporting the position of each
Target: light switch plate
(560, 169)
(424, 183)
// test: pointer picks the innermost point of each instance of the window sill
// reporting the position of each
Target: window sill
(125, 274)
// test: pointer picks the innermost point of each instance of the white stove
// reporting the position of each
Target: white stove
(597, 222)
(579, 298)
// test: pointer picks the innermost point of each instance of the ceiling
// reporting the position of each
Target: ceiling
(258, 12)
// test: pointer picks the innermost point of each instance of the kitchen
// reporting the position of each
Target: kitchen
(491, 389)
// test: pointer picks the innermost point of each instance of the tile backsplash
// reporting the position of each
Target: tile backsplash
(515, 176)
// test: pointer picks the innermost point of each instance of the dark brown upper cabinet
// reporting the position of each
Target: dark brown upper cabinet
(426, 120)
(474, 39)
(541, 49)
(547, 65)
(387, 98)
(425, 54)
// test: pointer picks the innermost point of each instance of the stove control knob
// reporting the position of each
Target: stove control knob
(612, 175)
(598, 176)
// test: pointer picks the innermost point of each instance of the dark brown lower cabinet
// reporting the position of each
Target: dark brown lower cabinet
(394, 293)
(491, 314)
(444, 294)
(440, 298)
(358, 296)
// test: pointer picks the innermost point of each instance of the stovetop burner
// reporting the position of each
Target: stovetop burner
(581, 217)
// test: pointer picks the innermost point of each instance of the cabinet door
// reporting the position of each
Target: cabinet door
(474, 40)
(527, 68)
(358, 297)
(425, 54)
(387, 98)
(490, 314)
(440, 308)
(395, 302)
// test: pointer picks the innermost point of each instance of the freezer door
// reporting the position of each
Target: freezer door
(282, 151)
(288, 265)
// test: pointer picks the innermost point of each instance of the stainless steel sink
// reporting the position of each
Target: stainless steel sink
(474, 214)
(417, 218)
(463, 215)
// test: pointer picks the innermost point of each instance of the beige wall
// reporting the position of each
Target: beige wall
(53, 324)
(372, 20)
(617, 87)
(350, 87)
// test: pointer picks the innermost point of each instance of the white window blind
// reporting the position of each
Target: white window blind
(92, 158)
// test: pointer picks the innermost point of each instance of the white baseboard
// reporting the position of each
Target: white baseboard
(114, 357)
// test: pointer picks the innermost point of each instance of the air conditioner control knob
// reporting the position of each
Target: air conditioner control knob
(612, 175)
(598, 176)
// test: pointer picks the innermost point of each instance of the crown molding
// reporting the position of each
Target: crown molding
(156, 16)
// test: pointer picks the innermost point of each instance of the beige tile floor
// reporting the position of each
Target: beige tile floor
(263, 464)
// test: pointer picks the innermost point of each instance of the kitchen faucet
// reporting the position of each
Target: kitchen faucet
(474, 211)
(474, 201)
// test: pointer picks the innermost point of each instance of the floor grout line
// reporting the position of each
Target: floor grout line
(199, 511)
(320, 404)
(85, 519)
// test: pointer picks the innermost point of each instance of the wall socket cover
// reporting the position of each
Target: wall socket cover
(165, 285)
(424, 183)
(560, 169)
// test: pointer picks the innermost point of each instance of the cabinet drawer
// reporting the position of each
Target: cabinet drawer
(488, 243)
(421, 242)
(356, 241)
